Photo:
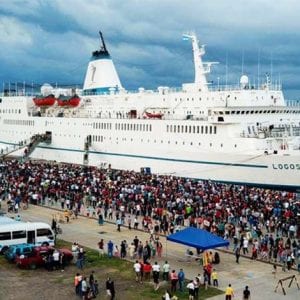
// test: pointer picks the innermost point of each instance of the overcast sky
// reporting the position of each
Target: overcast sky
(52, 40)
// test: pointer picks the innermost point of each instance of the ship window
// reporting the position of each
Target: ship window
(235, 145)
(176, 142)
(252, 112)
(233, 112)
(183, 143)
(178, 128)
(202, 129)
(215, 129)
(171, 128)
(161, 141)
(221, 145)
(210, 129)
(210, 144)
(247, 112)
(167, 128)
(238, 112)
(19, 111)
(190, 129)
(174, 128)
(194, 129)
(186, 128)
(198, 129)
(191, 143)
(206, 129)
(168, 142)
(226, 112)
(243, 112)
(182, 128)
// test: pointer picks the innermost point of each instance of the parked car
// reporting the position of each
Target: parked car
(15, 250)
(39, 256)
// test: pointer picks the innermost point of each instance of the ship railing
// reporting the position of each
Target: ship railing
(292, 103)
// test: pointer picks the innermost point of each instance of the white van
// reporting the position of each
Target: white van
(13, 233)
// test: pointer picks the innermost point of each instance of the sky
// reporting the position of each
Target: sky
(52, 40)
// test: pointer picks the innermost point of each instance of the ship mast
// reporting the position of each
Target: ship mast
(200, 78)
(201, 68)
(103, 51)
(103, 46)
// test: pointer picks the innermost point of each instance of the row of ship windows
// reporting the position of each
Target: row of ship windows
(19, 122)
(123, 126)
(200, 99)
(247, 112)
(100, 138)
(192, 129)
(10, 111)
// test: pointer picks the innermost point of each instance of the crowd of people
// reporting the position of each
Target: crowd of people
(259, 222)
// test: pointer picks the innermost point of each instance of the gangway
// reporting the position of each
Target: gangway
(28, 147)
(35, 140)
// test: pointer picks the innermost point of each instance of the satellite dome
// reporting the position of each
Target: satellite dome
(46, 89)
(244, 81)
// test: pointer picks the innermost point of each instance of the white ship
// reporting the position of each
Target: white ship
(244, 134)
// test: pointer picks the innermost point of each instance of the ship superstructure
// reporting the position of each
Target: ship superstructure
(243, 134)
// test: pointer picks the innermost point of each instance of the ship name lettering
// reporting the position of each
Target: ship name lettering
(286, 166)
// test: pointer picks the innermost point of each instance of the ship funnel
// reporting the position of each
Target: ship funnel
(101, 75)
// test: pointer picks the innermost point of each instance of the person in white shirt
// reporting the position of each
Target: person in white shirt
(55, 258)
(191, 289)
(245, 246)
(166, 271)
(167, 296)
(155, 271)
(137, 268)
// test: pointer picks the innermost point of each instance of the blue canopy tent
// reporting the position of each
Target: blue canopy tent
(197, 238)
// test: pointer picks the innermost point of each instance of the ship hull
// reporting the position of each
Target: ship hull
(260, 169)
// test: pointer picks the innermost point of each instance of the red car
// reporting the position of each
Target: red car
(39, 256)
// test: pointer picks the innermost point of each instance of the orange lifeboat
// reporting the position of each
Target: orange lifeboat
(44, 101)
(153, 115)
(68, 101)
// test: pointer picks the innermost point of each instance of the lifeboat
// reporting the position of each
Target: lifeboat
(68, 101)
(44, 101)
(153, 115)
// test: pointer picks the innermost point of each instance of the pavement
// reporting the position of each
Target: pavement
(257, 275)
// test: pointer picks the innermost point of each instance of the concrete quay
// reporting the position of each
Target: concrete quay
(257, 275)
